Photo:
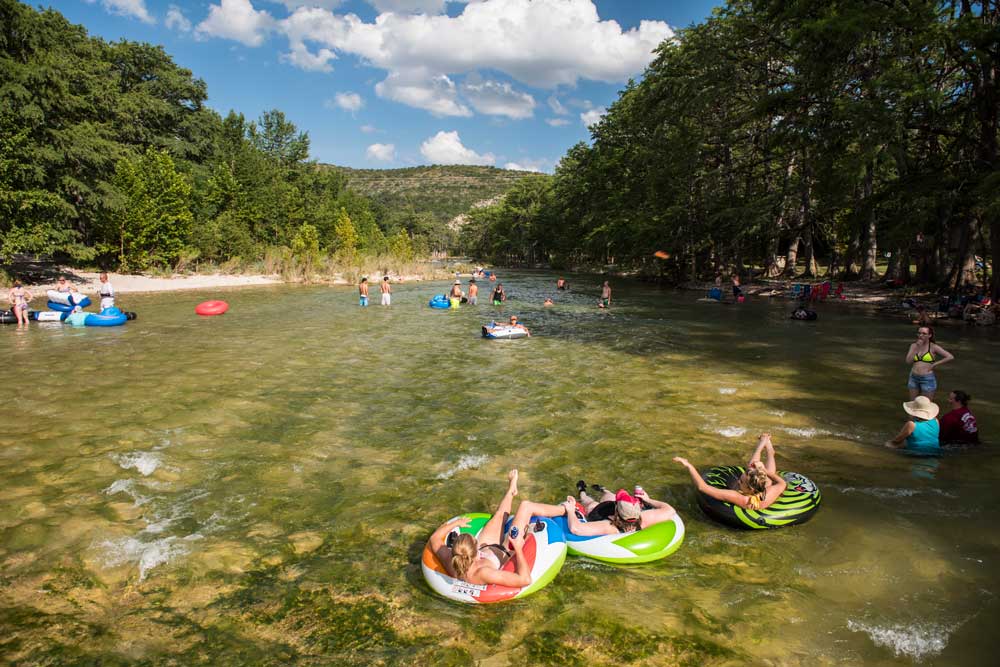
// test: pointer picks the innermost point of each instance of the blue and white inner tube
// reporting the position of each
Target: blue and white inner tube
(500, 331)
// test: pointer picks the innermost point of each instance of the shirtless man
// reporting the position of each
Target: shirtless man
(473, 292)
(363, 292)
(456, 294)
(605, 295)
(386, 290)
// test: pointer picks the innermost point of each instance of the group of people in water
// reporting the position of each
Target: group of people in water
(19, 296)
(481, 560)
(922, 432)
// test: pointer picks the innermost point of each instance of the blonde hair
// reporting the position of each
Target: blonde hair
(463, 554)
(754, 486)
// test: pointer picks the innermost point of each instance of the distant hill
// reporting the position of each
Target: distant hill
(443, 191)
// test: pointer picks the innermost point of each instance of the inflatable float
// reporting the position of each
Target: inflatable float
(66, 301)
(544, 548)
(8, 317)
(796, 505)
(208, 308)
(48, 315)
(498, 331)
(640, 546)
(804, 314)
(439, 301)
(109, 317)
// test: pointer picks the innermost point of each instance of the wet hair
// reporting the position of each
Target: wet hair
(463, 554)
(962, 397)
(755, 483)
(930, 329)
(385, 278)
(623, 525)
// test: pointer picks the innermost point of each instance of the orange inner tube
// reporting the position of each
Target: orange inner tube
(211, 307)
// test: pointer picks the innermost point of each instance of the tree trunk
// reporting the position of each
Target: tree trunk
(792, 257)
(807, 242)
(868, 269)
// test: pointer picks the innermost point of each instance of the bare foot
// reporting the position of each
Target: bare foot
(512, 478)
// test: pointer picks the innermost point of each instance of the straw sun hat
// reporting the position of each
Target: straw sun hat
(921, 407)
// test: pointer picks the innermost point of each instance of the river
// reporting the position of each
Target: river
(256, 488)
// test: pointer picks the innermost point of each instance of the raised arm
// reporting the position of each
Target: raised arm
(437, 542)
(778, 486)
(910, 352)
(725, 495)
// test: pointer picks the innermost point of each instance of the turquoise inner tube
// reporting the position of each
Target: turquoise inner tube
(439, 301)
(109, 317)
(797, 504)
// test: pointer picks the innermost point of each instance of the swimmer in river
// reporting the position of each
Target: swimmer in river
(614, 513)
(19, 298)
(922, 432)
(480, 561)
(756, 489)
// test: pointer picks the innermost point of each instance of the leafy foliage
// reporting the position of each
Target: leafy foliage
(776, 133)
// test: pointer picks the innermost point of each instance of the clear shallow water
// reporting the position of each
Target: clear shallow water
(257, 488)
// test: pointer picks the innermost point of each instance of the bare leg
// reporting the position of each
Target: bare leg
(913, 393)
(930, 394)
(755, 457)
(587, 502)
(769, 463)
(490, 534)
(528, 509)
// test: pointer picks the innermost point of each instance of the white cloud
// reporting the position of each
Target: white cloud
(557, 107)
(409, 6)
(527, 165)
(436, 94)
(592, 116)
(447, 148)
(239, 21)
(381, 152)
(303, 58)
(497, 99)
(176, 19)
(368, 129)
(422, 53)
(347, 101)
(292, 5)
(557, 122)
(134, 8)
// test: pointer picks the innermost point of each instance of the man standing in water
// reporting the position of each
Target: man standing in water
(473, 292)
(605, 295)
(363, 291)
(386, 290)
(455, 296)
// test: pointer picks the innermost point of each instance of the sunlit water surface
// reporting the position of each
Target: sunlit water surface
(256, 488)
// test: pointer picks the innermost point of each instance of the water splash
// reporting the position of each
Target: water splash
(465, 463)
(731, 431)
(915, 641)
(147, 555)
(144, 462)
(127, 486)
(725, 391)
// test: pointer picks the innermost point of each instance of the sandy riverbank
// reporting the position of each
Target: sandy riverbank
(87, 282)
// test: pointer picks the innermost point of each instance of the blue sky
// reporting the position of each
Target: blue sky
(398, 83)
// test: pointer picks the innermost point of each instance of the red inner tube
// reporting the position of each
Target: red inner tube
(211, 307)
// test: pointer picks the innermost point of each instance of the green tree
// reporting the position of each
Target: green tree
(345, 238)
(153, 223)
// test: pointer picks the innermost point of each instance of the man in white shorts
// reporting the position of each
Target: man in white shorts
(386, 290)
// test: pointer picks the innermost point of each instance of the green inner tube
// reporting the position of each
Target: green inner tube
(796, 505)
